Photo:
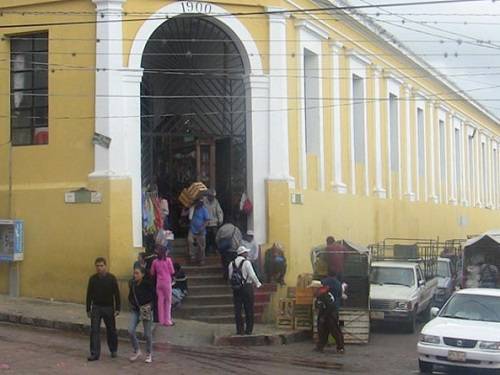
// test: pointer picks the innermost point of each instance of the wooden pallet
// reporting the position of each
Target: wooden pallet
(355, 324)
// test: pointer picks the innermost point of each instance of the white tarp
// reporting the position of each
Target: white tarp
(492, 234)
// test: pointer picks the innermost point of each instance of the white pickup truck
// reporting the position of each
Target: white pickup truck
(399, 292)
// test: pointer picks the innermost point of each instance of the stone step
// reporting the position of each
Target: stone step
(200, 290)
(208, 269)
(223, 318)
(185, 261)
(223, 298)
(210, 279)
(188, 311)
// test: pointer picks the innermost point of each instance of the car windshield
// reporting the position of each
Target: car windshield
(472, 307)
(392, 276)
(443, 269)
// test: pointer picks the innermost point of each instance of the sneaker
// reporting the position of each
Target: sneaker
(92, 358)
(135, 356)
(149, 358)
(114, 354)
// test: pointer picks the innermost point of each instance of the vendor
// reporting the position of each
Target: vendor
(336, 257)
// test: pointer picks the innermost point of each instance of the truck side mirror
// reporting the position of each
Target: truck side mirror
(434, 312)
(421, 282)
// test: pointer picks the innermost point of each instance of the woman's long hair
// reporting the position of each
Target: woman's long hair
(162, 252)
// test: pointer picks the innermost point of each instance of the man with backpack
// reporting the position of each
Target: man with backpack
(242, 279)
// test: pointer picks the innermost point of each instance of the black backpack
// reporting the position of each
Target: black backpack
(237, 281)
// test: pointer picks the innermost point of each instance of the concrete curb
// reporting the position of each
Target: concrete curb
(59, 325)
(263, 339)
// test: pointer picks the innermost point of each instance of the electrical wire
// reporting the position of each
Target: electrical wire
(472, 41)
(242, 14)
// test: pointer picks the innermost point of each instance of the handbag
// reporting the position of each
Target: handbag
(145, 311)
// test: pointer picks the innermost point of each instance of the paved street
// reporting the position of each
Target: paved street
(27, 350)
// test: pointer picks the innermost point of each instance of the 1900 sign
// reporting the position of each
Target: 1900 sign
(196, 7)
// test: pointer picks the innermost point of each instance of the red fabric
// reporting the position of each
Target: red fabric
(336, 257)
(247, 207)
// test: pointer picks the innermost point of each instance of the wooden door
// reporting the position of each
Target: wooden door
(205, 162)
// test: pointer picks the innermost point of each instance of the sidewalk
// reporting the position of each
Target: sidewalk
(72, 317)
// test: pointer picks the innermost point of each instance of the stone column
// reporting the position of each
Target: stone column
(279, 168)
(338, 184)
(409, 194)
(259, 143)
(379, 190)
(479, 169)
(432, 152)
(109, 103)
(451, 161)
(132, 123)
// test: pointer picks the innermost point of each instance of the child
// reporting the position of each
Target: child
(163, 270)
(180, 286)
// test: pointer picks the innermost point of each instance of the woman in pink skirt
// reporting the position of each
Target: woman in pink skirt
(163, 269)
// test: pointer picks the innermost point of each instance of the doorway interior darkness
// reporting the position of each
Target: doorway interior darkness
(193, 114)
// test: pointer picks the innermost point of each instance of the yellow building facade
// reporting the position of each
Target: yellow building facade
(346, 133)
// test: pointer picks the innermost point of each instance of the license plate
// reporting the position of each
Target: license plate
(454, 356)
(377, 315)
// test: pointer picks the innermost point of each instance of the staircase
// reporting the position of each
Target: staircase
(210, 298)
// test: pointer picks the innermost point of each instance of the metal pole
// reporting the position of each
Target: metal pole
(13, 266)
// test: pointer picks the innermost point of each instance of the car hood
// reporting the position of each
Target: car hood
(391, 292)
(464, 329)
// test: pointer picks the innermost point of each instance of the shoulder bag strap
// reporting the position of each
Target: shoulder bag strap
(135, 296)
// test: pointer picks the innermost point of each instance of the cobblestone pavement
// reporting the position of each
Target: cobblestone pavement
(28, 350)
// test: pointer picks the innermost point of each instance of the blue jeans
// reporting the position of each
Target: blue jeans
(148, 332)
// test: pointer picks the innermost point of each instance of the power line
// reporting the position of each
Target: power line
(463, 38)
(242, 14)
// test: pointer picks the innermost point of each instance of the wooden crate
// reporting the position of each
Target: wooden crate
(304, 296)
(303, 318)
(286, 313)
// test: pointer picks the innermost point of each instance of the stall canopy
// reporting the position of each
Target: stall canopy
(488, 239)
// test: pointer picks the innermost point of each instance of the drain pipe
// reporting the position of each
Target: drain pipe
(14, 279)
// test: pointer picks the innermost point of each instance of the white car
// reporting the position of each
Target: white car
(465, 332)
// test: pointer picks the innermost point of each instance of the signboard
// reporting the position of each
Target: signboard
(11, 240)
(101, 140)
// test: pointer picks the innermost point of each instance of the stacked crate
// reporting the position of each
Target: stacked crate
(286, 313)
(303, 308)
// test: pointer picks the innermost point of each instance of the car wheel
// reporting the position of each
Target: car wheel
(412, 324)
(425, 367)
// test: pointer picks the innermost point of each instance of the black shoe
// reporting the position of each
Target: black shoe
(92, 358)
(114, 354)
(248, 333)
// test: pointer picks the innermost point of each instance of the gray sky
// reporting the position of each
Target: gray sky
(473, 65)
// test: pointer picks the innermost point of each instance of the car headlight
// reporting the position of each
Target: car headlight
(430, 339)
(403, 305)
(489, 345)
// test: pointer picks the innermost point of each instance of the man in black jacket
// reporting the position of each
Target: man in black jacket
(328, 315)
(103, 302)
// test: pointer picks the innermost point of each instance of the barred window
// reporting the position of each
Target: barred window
(29, 89)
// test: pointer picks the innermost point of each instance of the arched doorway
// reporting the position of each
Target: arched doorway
(193, 113)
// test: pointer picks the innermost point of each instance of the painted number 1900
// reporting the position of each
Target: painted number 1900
(196, 7)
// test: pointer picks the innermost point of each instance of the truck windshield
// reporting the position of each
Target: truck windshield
(443, 269)
(392, 276)
(472, 307)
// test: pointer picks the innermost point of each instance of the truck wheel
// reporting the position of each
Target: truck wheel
(425, 367)
(412, 324)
